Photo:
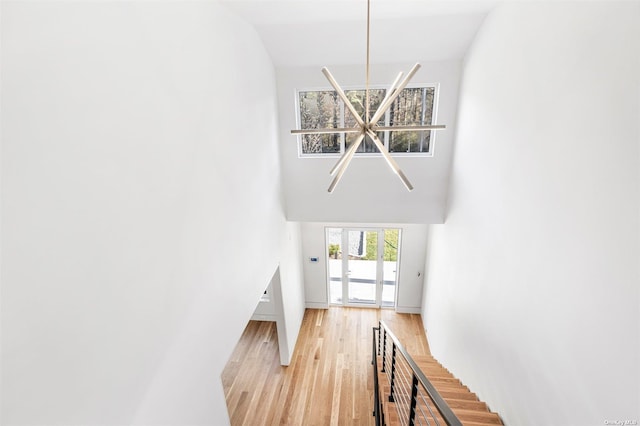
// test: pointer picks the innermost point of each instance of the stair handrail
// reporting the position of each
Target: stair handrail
(441, 405)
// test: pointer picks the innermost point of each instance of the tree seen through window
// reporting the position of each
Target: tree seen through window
(325, 109)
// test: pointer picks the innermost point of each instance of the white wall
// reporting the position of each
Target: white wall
(532, 290)
(369, 191)
(412, 255)
(292, 296)
(1, 201)
(266, 309)
(141, 209)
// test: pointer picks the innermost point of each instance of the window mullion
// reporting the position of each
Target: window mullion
(342, 135)
(387, 121)
(422, 117)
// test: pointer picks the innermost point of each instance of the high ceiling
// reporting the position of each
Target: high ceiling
(333, 32)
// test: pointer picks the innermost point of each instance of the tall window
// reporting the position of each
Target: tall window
(324, 109)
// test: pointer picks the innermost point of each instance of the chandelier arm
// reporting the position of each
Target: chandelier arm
(344, 98)
(348, 154)
(344, 165)
(405, 180)
(332, 130)
(388, 94)
(390, 161)
(408, 128)
(328, 130)
(335, 180)
(383, 107)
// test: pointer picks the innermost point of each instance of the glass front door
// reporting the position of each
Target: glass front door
(362, 271)
(362, 265)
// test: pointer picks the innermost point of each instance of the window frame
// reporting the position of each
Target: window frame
(385, 140)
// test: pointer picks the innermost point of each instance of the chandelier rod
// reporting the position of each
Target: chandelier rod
(366, 96)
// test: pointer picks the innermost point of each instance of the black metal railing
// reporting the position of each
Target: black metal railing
(416, 400)
(378, 412)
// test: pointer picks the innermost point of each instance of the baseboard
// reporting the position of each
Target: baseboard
(409, 309)
(263, 317)
(316, 305)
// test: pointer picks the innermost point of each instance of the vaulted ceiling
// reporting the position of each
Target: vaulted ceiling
(301, 36)
(320, 32)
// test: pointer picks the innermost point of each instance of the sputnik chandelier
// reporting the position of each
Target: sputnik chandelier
(366, 126)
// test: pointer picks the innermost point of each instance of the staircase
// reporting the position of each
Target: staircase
(419, 390)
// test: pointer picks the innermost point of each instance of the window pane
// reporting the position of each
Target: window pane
(414, 107)
(409, 141)
(357, 98)
(319, 110)
(367, 145)
(320, 144)
(334, 247)
(390, 267)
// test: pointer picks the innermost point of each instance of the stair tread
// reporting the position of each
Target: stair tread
(478, 424)
(424, 358)
(477, 416)
(453, 394)
(390, 412)
(432, 368)
(450, 386)
(438, 379)
(466, 404)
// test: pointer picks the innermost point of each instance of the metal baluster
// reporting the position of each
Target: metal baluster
(376, 411)
(379, 340)
(384, 352)
(414, 400)
(373, 355)
(393, 373)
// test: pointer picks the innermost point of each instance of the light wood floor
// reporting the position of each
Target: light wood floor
(329, 380)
